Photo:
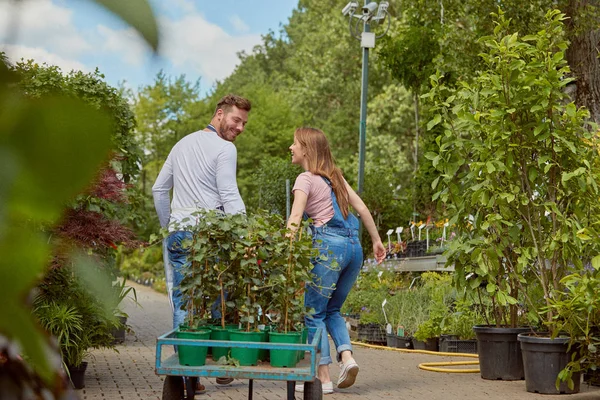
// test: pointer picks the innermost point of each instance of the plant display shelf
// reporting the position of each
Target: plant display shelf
(416, 264)
(174, 385)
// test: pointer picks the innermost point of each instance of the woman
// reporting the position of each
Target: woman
(322, 193)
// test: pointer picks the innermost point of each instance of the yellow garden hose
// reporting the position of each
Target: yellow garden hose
(431, 366)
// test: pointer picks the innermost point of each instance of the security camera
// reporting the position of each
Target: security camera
(382, 10)
(350, 8)
(369, 9)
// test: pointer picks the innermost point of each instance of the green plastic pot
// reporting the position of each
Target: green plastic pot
(263, 354)
(218, 333)
(303, 340)
(245, 356)
(284, 358)
(193, 355)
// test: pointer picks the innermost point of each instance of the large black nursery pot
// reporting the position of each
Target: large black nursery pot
(499, 352)
(543, 359)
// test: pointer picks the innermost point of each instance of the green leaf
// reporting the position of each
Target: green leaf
(596, 262)
(59, 143)
(436, 120)
(138, 14)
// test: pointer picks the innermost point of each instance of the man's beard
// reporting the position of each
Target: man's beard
(223, 129)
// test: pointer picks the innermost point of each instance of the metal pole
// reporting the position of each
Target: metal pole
(363, 113)
(287, 199)
(363, 120)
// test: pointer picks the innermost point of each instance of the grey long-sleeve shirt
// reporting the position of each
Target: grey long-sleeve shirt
(201, 170)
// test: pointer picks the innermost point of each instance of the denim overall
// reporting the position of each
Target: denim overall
(337, 240)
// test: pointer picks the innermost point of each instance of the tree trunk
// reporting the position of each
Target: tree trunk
(582, 55)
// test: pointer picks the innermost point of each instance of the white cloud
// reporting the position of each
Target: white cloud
(127, 42)
(17, 52)
(47, 32)
(183, 5)
(41, 23)
(238, 24)
(192, 43)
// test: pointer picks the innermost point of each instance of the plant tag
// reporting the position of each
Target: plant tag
(388, 329)
(383, 309)
(400, 331)
(379, 275)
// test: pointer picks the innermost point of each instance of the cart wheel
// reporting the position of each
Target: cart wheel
(190, 387)
(172, 388)
(313, 390)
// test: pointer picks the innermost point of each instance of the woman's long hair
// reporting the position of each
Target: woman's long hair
(321, 162)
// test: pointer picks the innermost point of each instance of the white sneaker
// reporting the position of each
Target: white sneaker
(348, 372)
(327, 387)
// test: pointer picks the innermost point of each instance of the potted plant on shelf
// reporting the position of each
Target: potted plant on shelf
(79, 320)
(518, 173)
(440, 297)
(118, 293)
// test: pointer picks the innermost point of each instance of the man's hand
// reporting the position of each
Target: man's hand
(379, 251)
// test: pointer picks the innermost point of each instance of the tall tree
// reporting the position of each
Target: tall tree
(166, 111)
(583, 52)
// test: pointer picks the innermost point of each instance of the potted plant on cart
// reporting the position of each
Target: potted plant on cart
(212, 274)
(289, 271)
(250, 287)
(193, 295)
(517, 174)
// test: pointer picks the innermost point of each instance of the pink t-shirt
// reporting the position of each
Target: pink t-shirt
(319, 205)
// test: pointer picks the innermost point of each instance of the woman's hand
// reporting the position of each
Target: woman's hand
(379, 251)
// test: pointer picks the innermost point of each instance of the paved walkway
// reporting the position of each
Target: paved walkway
(384, 374)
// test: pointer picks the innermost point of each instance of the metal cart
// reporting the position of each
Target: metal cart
(180, 380)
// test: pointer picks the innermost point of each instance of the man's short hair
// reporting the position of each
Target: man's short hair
(230, 100)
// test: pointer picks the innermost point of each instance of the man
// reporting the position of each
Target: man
(201, 171)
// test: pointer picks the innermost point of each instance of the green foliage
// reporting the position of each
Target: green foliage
(138, 14)
(254, 261)
(270, 181)
(42, 141)
(517, 170)
(368, 294)
(79, 320)
(142, 262)
(45, 133)
(577, 314)
(409, 51)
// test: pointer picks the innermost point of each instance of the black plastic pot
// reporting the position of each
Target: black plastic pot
(431, 344)
(452, 344)
(499, 352)
(371, 333)
(77, 375)
(118, 334)
(392, 340)
(543, 359)
(404, 342)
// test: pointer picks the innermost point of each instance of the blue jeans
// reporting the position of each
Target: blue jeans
(176, 250)
(330, 287)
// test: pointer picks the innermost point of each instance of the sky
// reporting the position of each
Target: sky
(198, 38)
